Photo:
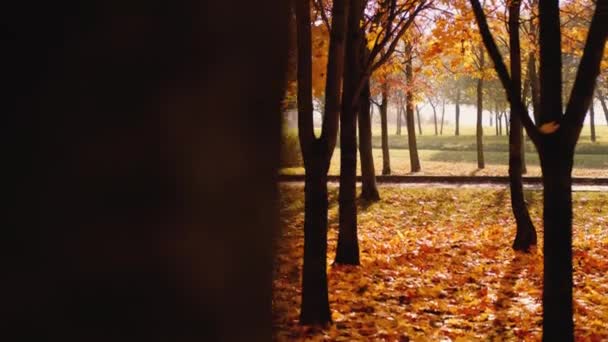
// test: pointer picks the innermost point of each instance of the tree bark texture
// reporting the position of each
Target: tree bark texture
(479, 129)
(347, 251)
(317, 154)
(457, 114)
(409, 113)
(386, 161)
(526, 233)
(369, 189)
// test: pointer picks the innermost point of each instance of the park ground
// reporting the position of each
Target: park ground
(449, 155)
(436, 265)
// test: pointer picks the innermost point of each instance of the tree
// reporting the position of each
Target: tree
(347, 251)
(600, 97)
(369, 189)
(381, 21)
(479, 128)
(433, 106)
(418, 121)
(592, 121)
(409, 112)
(392, 21)
(386, 162)
(526, 233)
(118, 229)
(317, 154)
(555, 140)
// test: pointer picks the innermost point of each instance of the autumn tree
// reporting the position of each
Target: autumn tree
(555, 141)
(389, 82)
(393, 19)
(317, 154)
(409, 110)
(526, 233)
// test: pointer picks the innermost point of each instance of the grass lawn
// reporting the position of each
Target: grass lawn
(464, 163)
(436, 264)
(451, 155)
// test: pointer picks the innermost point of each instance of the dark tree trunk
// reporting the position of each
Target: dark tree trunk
(600, 96)
(505, 116)
(491, 123)
(556, 163)
(386, 161)
(409, 115)
(369, 189)
(315, 302)
(592, 121)
(434, 116)
(551, 107)
(139, 240)
(522, 150)
(398, 132)
(499, 124)
(479, 131)
(556, 148)
(418, 120)
(442, 117)
(526, 233)
(457, 115)
(347, 251)
(317, 155)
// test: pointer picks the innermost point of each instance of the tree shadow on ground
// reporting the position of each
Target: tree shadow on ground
(494, 208)
(505, 322)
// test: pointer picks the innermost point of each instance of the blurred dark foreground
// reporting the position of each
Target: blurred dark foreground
(143, 143)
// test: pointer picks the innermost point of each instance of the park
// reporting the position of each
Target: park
(391, 107)
(305, 170)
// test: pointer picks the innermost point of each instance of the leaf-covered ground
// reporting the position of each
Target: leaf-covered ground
(436, 265)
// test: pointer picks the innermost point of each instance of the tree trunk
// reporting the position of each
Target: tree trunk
(347, 251)
(442, 117)
(499, 124)
(479, 131)
(317, 155)
(369, 189)
(600, 96)
(398, 132)
(457, 105)
(386, 162)
(556, 149)
(409, 112)
(315, 302)
(504, 115)
(592, 121)
(109, 239)
(522, 150)
(491, 123)
(434, 116)
(418, 120)
(526, 233)
(556, 164)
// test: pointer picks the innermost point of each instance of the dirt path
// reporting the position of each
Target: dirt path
(530, 183)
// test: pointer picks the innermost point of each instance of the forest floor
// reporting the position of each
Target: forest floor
(437, 265)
